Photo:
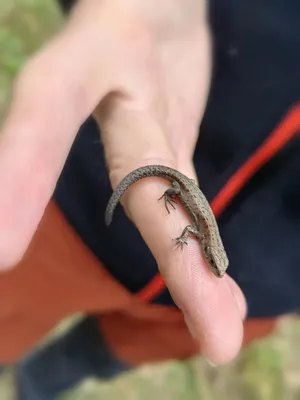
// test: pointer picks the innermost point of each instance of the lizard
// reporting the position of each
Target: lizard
(203, 227)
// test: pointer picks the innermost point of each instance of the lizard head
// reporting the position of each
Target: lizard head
(217, 260)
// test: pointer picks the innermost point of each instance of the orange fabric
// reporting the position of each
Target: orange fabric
(139, 339)
(58, 277)
(257, 328)
(289, 128)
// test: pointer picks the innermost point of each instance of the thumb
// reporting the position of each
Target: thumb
(56, 91)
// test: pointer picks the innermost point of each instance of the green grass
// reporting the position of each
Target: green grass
(267, 370)
(24, 26)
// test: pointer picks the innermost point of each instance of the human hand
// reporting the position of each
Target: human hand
(143, 67)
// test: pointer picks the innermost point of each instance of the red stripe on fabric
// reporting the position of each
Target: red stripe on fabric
(286, 130)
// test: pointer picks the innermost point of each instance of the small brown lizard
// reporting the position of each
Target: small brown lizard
(204, 225)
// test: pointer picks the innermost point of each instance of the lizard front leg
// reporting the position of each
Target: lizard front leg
(188, 230)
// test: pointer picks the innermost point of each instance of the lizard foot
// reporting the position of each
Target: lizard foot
(168, 197)
(180, 242)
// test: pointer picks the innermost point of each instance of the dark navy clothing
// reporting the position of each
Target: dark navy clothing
(256, 80)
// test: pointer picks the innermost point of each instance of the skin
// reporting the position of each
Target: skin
(143, 68)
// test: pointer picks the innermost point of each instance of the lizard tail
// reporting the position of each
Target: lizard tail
(147, 171)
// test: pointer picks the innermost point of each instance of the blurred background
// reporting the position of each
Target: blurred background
(268, 369)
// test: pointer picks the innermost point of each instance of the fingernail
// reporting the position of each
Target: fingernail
(190, 325)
